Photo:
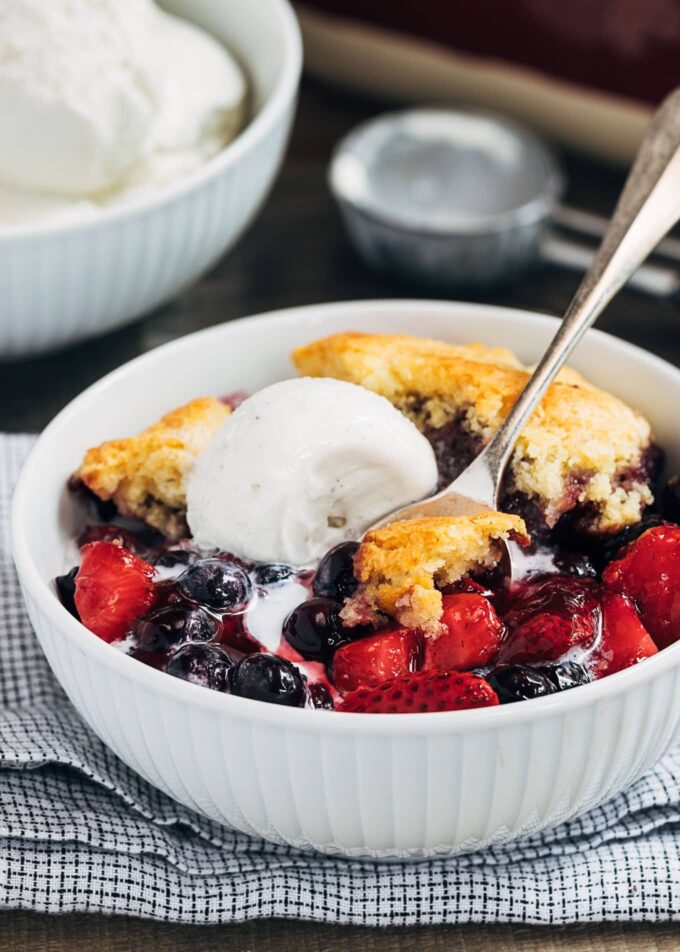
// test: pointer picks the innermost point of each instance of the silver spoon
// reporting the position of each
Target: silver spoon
(648, 208)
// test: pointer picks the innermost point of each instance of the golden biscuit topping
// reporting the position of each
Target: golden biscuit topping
(402, 567)
(144, 475)
(582, 449)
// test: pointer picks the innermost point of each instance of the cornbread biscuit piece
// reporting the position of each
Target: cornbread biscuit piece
(144, 475)
(400, 566)
(583, 450)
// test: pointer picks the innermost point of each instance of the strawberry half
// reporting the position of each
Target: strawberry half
(113, 588)
(375, 659)
(549, 617)
(472, 637)
(625, 640)
(649, 572)
(422, 693)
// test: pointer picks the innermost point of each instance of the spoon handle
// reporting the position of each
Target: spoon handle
(648, 207)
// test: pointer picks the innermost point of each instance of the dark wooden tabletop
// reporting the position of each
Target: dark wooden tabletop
(296, 253)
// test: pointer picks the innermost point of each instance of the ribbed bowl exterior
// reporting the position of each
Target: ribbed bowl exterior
(362, 786)
(59, 285)
(369, 793)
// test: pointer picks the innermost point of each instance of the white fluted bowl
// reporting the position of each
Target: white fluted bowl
(380, 786)
(62, 283)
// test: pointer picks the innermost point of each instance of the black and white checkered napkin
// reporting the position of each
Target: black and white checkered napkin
(80, 831)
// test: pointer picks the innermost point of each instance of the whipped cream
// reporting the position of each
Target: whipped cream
(101, 100)
(303, 465)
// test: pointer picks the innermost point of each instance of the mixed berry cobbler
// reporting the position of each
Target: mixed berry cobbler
(417, 617)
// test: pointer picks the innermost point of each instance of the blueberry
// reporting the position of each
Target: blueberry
(670, 499)
(66, 590)
(319, 697)
(574, 563)
(104, 508)
(517, 682)
(217, 584)
(314, 629)
(172, 626)
(207, 665)
(264, 677)
(566, 675)
(273, 573)
(335, 575)
(176, 555)
(613, 546)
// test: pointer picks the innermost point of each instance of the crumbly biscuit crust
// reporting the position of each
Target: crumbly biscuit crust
(144, 475)
(401, 567)
(582, 446)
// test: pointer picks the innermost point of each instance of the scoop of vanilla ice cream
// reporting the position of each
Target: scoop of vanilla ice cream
(76, 97)
(201, 93)
(302, 465)
(21, 208)
(101, 100)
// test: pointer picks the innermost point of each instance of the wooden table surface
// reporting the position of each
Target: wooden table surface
(296, 253)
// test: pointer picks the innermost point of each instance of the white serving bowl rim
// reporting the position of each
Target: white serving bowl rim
(446, 722)
(256, 128)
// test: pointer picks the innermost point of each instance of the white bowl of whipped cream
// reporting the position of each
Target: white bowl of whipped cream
(138, 142)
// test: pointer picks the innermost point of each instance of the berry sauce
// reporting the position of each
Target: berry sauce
(274, 633)
(238, 607)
